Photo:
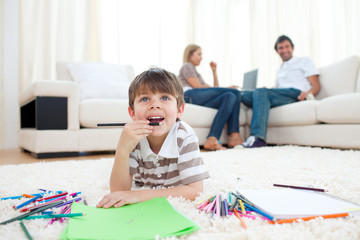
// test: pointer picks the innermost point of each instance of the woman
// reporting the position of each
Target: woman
(226, 100)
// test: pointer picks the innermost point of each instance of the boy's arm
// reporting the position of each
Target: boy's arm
(120, 179)
(120, 198)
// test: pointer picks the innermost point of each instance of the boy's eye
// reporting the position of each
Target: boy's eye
(144, 99)
(165, 98)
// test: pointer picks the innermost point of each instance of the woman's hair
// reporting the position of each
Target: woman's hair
(156, 80)
(189, 50)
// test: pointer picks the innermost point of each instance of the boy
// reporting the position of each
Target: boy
(166, 155)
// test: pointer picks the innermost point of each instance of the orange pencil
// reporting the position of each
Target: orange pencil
(240, 218)
(28, 195)
(309, 218)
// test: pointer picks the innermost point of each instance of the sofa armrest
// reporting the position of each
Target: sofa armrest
(56, 89)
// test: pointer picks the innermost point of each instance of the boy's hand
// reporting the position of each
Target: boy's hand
(132, 133)
(118, 199)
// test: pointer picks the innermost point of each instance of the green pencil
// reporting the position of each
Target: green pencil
(25, 231)
(55, 216)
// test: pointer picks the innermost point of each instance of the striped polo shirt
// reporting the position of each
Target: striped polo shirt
(178, 162)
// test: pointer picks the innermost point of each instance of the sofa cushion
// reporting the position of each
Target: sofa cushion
(299, 113)
(344, 108)
(100, 80)
(202, 117)
(94, 111)
(339, 78)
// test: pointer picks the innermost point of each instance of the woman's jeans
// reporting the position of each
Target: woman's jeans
(261, 100)
(226, 100)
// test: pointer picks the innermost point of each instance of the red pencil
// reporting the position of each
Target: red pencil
(54, 196)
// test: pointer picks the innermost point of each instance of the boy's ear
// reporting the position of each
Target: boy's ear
(180, 110)
(131, 113)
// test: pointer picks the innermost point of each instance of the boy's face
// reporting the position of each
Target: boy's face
(158, 107)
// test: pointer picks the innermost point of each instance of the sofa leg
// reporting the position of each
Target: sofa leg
(54, 154)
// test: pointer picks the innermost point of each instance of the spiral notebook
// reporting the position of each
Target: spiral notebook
(292, 203)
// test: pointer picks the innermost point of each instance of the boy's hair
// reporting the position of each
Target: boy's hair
(281, 39)
(189, 50)
(156, 80)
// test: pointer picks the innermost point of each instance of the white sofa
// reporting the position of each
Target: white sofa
(54, 122)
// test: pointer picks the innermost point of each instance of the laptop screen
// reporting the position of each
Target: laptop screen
(250, 80)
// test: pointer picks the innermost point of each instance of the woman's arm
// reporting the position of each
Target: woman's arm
(195, 83)
(213, 67)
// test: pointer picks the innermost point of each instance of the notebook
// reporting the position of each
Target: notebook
(250, 80)
(293, 203)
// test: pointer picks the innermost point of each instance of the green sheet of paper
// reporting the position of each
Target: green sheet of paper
(142, 220)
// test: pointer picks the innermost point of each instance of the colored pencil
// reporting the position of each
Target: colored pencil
(20, 196)
(33, 212)
(298, 187)
(309, 218)
(259, 211)
(123, 124)
(70, 201)
(242, 207)
(54, 196)
(240, 218)
(25, 231)
(26, 203)
(41, 205)
(218, 205)
(55, 216)
(28, 195)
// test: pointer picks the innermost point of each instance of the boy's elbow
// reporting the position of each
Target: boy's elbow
(196, 189)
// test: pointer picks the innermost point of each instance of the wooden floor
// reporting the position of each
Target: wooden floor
(16, 156)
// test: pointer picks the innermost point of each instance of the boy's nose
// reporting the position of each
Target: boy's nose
(155, 104)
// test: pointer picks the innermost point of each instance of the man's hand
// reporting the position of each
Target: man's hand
(302, 96)
(118, 199)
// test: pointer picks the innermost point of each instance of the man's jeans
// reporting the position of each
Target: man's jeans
(261, 100)
(226, 100)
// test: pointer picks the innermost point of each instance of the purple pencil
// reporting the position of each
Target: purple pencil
(70, 201)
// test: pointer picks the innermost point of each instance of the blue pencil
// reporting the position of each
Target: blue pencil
(259, 211)
(20, 196)
(26, 203)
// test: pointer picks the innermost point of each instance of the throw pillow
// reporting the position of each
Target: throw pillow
(100, 80)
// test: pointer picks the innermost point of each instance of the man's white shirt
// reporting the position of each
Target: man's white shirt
(294, 72)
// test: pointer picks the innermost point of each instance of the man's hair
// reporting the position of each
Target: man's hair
(281, 39)
(189, 51)
(156, 80)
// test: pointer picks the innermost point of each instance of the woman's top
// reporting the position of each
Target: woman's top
(188, 70)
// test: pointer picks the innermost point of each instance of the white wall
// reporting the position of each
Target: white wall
(11, 69)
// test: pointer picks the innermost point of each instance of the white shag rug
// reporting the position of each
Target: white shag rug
(335, 170)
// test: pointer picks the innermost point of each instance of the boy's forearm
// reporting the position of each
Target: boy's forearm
(120, 179)
(190, 192)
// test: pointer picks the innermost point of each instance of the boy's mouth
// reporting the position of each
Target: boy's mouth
(156, 119)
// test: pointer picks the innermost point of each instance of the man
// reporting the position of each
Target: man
(297, 79)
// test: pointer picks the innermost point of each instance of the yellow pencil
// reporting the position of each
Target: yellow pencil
(242, 207)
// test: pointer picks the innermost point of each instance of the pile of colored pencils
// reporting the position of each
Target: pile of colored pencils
(54, 205)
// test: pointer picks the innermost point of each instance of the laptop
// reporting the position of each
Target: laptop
(250, 80)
